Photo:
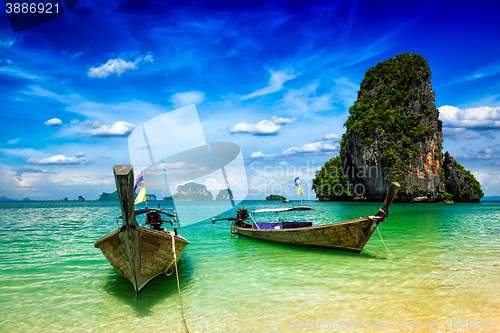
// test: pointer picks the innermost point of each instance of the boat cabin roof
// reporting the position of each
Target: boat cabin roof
(280, 210)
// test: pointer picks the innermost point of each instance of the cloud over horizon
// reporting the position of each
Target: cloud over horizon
(79, 158)
(264, 127)
(187, 98)
(311, 148)
(259, 154)
(53, 122)
(120, 128)
(481, 117)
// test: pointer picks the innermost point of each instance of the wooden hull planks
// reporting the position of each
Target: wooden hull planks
(348, 236)
(140, 254)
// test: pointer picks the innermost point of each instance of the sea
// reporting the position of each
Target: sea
(442, 274)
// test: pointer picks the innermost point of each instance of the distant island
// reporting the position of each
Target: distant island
(191, 191)
(7, 199)
(224, 194)
(108, 196)
(275, 197)
(394, 134)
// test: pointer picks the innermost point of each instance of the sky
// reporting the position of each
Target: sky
(276, 78)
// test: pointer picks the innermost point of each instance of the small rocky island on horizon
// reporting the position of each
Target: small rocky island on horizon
(275, 197)
(394, 134)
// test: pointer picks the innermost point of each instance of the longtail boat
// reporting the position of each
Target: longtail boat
(349, 236)
(136, 252)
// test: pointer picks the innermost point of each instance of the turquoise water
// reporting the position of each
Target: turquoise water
(445, 266)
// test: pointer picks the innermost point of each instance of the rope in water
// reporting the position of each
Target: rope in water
(177, 275)
(383, 241)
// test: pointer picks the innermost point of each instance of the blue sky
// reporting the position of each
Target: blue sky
(277, 78)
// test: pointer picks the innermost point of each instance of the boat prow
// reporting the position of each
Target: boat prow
(136, 252)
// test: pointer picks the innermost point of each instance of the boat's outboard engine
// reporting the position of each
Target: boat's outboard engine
(153, 219)
(242, 214)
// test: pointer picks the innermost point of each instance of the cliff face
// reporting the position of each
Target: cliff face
(393, 134)
(460, 182)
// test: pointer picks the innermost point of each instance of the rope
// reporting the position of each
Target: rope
(177, 275)
(383, 241)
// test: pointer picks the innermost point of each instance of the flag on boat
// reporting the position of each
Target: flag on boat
(141, 197)
(139, 182)
(297, 180)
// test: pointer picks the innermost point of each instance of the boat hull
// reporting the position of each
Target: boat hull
(348, 236)
(140, 254)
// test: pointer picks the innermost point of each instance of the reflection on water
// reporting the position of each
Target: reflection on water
(445, 265)
(156, 291)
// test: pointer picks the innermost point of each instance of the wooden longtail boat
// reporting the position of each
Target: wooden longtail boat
(349, 236)
(137, 252)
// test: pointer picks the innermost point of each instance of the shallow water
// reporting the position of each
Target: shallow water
(445, 266)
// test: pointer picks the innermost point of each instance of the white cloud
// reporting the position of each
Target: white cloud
(53, 122)
(331, 136)
(187, 98)
(310, 148)
(117, 66)
(283, 121)
(259, 155)
(120, 128)
(305, 99)
(13, 141)
(480, 117)
(264, 127)
(179, 166)
(79, 158)
(283, 163)
(214, 185)
(278, 78)
(7, 44)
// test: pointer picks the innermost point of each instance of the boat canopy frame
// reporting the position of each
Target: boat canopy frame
(278, 211)
(148, 210)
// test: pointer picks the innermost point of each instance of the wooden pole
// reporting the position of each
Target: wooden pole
(124, 179)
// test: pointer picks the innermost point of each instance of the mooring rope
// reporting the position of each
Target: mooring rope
(383, 241)
(177, 275)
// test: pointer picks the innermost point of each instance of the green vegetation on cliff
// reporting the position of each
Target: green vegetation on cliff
(330, 181)
(393, 133)
(476, 187)
(390, 106)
